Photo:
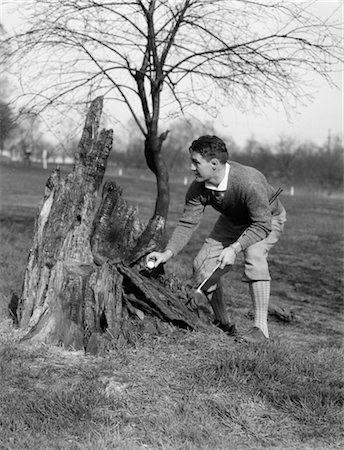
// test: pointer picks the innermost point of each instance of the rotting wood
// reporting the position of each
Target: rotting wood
(153, 298)
(83, 278)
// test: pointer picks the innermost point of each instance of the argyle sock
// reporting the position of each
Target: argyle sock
(216, 300)
(260, 294)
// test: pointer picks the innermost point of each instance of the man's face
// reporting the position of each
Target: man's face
(202, 169)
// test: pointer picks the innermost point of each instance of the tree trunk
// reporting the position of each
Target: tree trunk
(85, 284)
(154, 232)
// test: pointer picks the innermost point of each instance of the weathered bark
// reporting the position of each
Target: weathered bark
(116, 228)
(157, 164)
(83, 280)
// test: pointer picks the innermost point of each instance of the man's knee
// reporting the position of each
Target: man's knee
(198, 264)
(256, 264)
(206, 260)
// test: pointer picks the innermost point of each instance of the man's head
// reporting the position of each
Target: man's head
(210, 147)
(208, 156)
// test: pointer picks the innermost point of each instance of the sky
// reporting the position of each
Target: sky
(316, 120)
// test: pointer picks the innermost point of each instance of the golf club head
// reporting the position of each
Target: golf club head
(212, 279)
(203, 306)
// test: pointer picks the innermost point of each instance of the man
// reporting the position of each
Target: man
(249, 222)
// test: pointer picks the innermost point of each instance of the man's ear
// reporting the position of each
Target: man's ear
(215, 163)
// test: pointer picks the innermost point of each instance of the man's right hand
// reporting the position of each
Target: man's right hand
(158, 257)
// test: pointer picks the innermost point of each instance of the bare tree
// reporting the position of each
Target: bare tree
(158, 55)
(6, 123)
(286, 159)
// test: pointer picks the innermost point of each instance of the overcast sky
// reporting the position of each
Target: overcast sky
(313, 121)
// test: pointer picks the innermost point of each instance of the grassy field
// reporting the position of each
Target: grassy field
(184, 390)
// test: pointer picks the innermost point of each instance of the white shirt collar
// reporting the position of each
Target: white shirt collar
(223, 185)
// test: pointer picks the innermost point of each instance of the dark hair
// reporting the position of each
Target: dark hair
(210, 147)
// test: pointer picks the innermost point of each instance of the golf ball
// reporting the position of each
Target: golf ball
(150, 265)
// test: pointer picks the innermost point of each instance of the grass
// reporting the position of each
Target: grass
(187, 391)
(183, 390)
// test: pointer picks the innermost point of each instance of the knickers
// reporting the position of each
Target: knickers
(255, 257)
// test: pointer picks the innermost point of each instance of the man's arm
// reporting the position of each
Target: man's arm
(258, 206)
(189, 221)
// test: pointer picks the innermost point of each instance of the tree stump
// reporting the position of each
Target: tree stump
(84, 278)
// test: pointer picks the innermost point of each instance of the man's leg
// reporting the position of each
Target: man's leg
(204, 263)
(216, 300)
(260, 295)
(222, 317)
(258, 276)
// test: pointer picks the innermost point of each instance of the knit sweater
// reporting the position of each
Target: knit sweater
(244, 205)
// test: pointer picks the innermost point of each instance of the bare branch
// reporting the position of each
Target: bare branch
(158, 52)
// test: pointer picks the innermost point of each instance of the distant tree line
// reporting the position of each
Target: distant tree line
(20, 138)
(287, 160)
(6, 122)
(290, 162)
(297, 164)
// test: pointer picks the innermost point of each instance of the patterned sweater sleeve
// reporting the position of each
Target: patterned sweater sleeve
(258, 207)
(190, 219)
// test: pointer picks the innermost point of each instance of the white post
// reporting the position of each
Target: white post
(44, 159)
(120, 172)
(292, 190)
(185, 181)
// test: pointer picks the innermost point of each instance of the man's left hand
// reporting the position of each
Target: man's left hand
(227, 257)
